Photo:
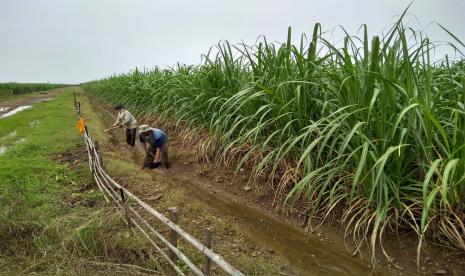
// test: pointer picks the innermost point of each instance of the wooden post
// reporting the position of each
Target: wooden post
(173, 234)
(208, 244)
(124, 202)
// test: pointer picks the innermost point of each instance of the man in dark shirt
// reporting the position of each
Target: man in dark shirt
(152, 139)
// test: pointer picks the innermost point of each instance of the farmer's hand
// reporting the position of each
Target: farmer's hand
(157, 156)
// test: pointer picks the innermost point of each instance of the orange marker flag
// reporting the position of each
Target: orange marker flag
(80, 125)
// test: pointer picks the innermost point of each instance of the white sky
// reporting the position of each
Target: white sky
(72, 41)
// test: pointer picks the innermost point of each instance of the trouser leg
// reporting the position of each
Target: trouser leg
(164, 155)
(128, 136)
(132, 137)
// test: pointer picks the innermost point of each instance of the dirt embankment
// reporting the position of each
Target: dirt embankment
(229, 196)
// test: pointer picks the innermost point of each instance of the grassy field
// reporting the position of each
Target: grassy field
(56, 221)
(374, 129)
(13, 88)
(53, 221)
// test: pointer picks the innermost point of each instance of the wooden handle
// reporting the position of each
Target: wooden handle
(108, 129)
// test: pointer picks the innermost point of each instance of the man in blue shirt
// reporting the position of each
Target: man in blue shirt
(152, 139)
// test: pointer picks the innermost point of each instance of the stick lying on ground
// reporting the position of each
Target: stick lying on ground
(111, 128)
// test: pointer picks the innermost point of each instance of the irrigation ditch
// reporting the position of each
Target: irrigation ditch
(132, 207)
(316, 253)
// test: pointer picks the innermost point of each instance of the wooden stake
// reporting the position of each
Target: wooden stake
(173, 234)
(208, 244)
(124, 202)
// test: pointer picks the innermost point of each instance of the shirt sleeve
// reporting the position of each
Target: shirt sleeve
(126, 118)
(118, 119)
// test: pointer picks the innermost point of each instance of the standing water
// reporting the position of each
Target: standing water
(16, 110)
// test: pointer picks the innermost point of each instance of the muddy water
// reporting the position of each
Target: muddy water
(303, 254)
(20, 108)
(42, 100)
(16, 110)
(306, 256)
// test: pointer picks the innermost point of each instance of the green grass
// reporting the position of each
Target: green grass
(374, 128)
(27, 168)
(52, 223)
(13, 88)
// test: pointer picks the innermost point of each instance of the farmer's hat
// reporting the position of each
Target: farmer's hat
(143, 128)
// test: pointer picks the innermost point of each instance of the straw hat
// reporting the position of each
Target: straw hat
(143, 128)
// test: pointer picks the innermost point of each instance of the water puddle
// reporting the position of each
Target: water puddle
(306, 255)
(10, 135)
(14, 111)
(34, 123)
(4, 148)
(20, 108)
(42, 100)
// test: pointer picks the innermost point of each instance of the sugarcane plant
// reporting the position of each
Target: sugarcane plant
(373, 130)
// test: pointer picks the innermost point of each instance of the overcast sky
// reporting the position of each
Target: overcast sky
(73, 41)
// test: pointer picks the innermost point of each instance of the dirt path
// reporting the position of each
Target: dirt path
(321, 253)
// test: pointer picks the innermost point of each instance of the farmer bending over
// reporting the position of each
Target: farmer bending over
(152, 139)
(125, 119)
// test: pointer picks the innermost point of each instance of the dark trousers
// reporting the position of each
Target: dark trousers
(131, 136)
(150, 156)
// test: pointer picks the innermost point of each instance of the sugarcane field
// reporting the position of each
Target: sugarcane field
(232, 138)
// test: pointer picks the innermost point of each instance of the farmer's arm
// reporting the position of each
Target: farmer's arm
(157, 156)
(118, 120)
(143, 145)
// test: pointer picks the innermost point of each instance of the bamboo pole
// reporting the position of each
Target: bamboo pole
(175, 250)
(176, 268)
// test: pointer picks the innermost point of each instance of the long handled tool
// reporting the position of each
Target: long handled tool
(111, 128)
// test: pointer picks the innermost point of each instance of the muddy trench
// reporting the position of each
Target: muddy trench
(305, 255)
